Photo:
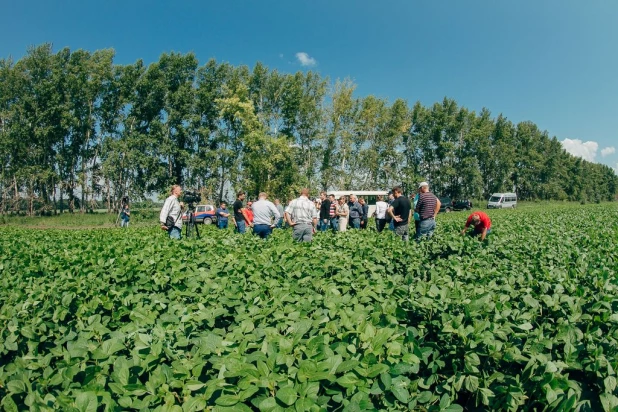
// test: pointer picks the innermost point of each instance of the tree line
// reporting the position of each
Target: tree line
(75, 128)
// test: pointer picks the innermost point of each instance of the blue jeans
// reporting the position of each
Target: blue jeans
(279, 223)
(241, 226)
(262, 231)
(355, 221)
(124, 222)
(334, 223)
(323, 226)
(222, 223)
(403, 231)
(174, 232)
(391, 225)
(426, 228)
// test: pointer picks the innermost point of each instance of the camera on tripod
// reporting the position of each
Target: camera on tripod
(191, 198)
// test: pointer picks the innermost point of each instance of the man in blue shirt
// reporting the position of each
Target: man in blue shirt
(356, 212)
(222, 216)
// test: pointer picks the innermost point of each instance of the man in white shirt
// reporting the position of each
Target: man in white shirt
(169, 217)
(302, 215)
(264, 211)
(380, 213)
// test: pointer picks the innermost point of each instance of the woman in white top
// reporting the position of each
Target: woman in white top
(380, 213)
(343, 211)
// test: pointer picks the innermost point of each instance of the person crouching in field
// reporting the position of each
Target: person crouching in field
(481, 223)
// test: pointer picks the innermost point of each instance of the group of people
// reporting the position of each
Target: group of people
(306, 216)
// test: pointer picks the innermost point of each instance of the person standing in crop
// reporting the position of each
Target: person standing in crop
(332, 213)
(279, 207)
(389, 220)
(324, 212)
(125, 216)
(170, 214)
(222, 216)
(427, 207)
(249, 214)
(380, 213)
(302, 215)
(481, 223)
(356, 212)
(265, 216)
(343, 212)
(401, 213)
(240, 213)
(364, 215)
(417, 217)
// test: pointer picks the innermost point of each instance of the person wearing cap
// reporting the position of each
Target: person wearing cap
(427, 207)
(302, 216)
(265, 215)
(401, 213)
(481, 223)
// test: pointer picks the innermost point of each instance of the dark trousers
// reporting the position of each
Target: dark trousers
(380, 223)
(262, 231)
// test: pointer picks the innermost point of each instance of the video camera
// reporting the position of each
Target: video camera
(191, 197)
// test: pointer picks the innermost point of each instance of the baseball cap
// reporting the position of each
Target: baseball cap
(423, 184)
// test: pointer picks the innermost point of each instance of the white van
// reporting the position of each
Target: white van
(502, 201)
(370, 196)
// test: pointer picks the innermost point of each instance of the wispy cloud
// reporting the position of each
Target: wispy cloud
(607, 151)
(585, 150)
(305, 60)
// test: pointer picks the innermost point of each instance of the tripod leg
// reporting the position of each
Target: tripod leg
(197, 230)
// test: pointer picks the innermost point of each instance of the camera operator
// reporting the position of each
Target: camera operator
(170, 217)
(125, 214)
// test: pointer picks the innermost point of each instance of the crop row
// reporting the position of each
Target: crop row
(118, 320)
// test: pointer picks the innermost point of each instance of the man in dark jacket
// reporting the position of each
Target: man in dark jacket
(324, 212)
(364, 216)
(356, 212)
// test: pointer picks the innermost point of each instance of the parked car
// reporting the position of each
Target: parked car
(464, 204)
(446, 205)
(502, 201)
(205, 214)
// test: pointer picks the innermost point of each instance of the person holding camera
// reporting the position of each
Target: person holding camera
(125, 215)
(170, 216)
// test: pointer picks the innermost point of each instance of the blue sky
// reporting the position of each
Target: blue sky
(553, 62)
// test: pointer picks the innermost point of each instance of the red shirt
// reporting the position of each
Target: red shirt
(249, 215)
(485, 221)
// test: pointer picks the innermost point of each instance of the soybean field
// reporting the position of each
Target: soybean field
(114, 320)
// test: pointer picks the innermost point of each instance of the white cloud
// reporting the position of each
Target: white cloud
(585, 150)
(607, 151)
(305, 60)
